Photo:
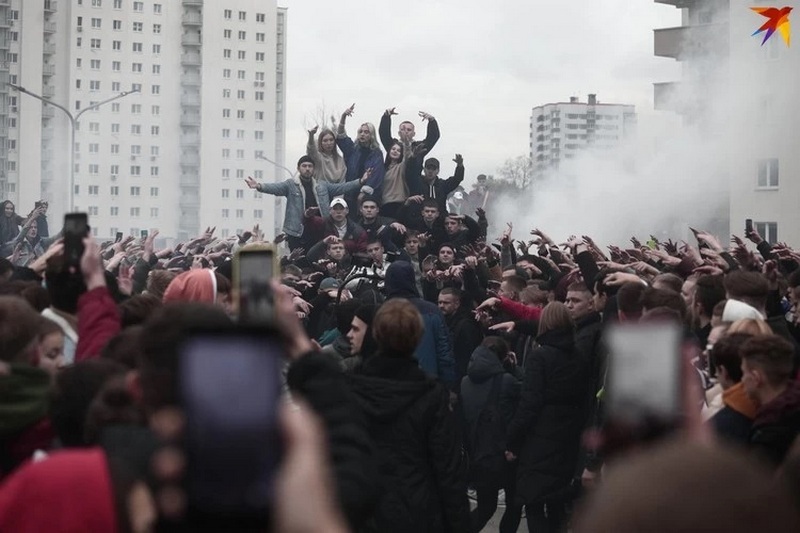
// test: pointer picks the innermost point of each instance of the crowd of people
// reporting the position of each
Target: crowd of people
(426, 361)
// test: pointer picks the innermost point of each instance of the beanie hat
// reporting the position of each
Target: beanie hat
(199, 285)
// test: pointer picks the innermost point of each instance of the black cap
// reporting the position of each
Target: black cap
(304, 159)
(432, 162)
(481, 177)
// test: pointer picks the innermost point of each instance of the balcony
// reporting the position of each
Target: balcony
(47, 134)
(49, 27)
(48, 70)
(685, 42)
(190, 119)
(49, 49)
(189, 202)
(190, 100)
(190, 180)
(48, 91)
(192, 59)
(664, 96)
(192, 19)
(190, 140)
(193, 3)
(191, 39)
(190, 79)
(50, 6)
(48, 111)
(190, 160)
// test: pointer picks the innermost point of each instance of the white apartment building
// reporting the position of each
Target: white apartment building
(559, 131)
(208, 104)
(758, 85)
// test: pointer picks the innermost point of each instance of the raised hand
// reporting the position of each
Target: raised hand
(459, 160)
(252, 183)
(391, 111)
(349, 111)
(426, 116)
(313, 131)
(367, 174)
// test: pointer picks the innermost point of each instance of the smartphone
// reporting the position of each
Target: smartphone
(748, 226)
(253, 269)
(229, 384)
(119, 237)
(76, 228)
(643, 386)
(144, 234)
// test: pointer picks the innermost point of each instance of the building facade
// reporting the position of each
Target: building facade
(748, 88)
(205, 109)
(559, 131)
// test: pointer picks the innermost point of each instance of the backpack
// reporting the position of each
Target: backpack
(488, 437)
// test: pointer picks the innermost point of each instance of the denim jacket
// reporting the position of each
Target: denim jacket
(296, 200)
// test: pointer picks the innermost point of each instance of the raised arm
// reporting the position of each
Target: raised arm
(455, 180)
(432, 136)
(347, 113)
(282, 188)
(385, 129)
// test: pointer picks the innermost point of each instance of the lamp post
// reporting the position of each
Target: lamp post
(73, 122)
(276, 218)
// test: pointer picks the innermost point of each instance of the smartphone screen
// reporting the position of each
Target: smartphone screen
(748, 225)
(230, 389)
(76, 228)
(253, 271)
(119, 237)
(144, 234)
(644, 373)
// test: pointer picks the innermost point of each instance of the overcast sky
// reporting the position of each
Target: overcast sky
(477, 66)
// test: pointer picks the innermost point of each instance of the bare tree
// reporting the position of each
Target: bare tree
(324, 116)
(517, 171)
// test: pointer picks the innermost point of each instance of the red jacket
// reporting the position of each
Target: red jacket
(520, 311)
(98, 321)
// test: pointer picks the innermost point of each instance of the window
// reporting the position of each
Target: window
(96, 23)
(768, 173)
(260, 57)
(258, 175)
(227, 34)
(94, 64)
(95, 44)
(136, 149)
(135, 87)
(258, 214)
(261, 17)
(135, 191)
(240, 114)
(78, 42)
(226, 113)
(115, 127)
(767, 230)
(242, 36)
(242, 16)
(115, 170)
(156, 28)
(239, 154)
(153, 212)
(260, 37)
(135, 211)
(155, 89)
(226, 133)
(116, 66)
(226, 74)
(153, 172)
(154, 150)
(226, 173)
(114, 211)
(155, 131)
(156, 49)
(136, 170)
(240, 94)
(242, 75)
(11, 144)
(114, 148)
(239, 193)
(157, 9)
(259, 95)
(93, 210)
(136, 67)
(153, 191)
(116, 45)
(115, 107)
(259, 135)
(94, 127)
(228, 14)
(226, 93)
(94, 148)
(137, 47)
(242, 55)
(240, 213)
(97, 3)
(136, 109)
(259, 115)
(225, 213)
(226, 153)
(117, 4)
(136, 129)
(240, 175)
(226, 193)
(226, 53)
(94, 190)
(94, 85)
(137, 27)
(138, 6)
(240, 134)
(94, 168)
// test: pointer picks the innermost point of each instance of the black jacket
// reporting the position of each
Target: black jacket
(731, 425)
(777, 425)
(465, 336)
(546, 431)
(422, 475)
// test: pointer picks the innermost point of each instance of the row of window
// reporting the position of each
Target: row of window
(257, 213)
(138, 6)
(258, 135)
(242, 75)
(137, 27)
(227, 53)
(97, 44)
(260, 37)
(228, 15)
(93, 210)
(135, 170)
(136, 149)
(136, 129)
(116, 66)
(94, 190)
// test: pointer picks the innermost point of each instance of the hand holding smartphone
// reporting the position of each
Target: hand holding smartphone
(253, 269)
(76, 228)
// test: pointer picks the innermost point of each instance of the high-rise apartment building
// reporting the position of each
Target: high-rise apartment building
(207, 107)
(559, 131)
(746, 92)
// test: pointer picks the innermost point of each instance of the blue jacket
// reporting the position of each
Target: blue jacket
(434, 352)
(296, 199)
(374, 160)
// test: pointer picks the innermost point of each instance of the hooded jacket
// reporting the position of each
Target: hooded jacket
(69, 491)
(434, 352)
(777, 424)
(422, 477)
(546, 431)
(734, 420)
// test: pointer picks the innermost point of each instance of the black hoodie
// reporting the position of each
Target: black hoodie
(422, 477)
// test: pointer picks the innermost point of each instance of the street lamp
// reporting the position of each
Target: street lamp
(276, 217)
(73, 121)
